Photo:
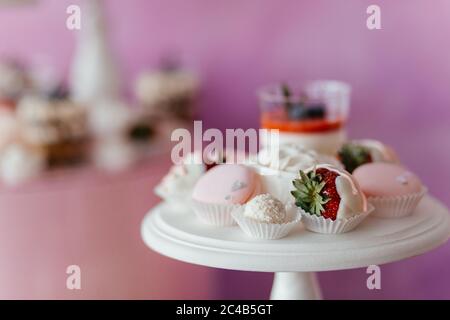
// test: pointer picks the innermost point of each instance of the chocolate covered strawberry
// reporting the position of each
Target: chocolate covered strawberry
(328, 192)
(358, 152)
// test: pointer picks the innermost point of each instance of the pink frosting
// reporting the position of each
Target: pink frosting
(386, 179)
(226, 184)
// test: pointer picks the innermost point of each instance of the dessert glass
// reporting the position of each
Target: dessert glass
(313, 116)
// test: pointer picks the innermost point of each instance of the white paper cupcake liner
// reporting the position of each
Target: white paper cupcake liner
(321, 225)
(266, 231)
(214, 214)
(396, 206)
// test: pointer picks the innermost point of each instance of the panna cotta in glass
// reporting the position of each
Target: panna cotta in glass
(313, 116)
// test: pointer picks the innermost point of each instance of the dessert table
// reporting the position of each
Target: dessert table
(296, 258)
(90, 218)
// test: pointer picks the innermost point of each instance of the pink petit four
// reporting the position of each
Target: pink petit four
(391, 189)
(386, 179)
(226, 184)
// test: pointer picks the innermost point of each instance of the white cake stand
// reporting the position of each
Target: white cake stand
(294, 259)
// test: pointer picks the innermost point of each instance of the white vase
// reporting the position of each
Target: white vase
(93, 75)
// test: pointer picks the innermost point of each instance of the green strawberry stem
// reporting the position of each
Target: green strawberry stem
(352, 156)
(307, 193)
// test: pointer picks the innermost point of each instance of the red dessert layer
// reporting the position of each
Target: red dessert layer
(279, 120)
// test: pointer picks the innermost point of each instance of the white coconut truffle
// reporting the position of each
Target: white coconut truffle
(266, 208)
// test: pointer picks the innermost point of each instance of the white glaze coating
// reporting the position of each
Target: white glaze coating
(293, 157)
(353, 201)
(379, 152)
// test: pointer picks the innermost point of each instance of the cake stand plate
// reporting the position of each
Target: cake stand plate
(294, 259)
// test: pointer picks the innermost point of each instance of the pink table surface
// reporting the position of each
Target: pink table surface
(90, 219)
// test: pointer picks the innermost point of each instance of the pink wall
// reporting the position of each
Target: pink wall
(400, 76)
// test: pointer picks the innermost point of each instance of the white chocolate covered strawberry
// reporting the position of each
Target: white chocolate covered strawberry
(329, 192)
(358, 152)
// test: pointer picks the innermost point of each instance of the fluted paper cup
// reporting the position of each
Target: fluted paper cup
(321, 225)
(266, 231)
(214, 214)
(396, 206)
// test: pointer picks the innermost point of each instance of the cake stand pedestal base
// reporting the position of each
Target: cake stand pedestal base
(295, 286)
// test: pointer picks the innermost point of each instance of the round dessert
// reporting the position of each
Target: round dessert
(327, 195)
(265, 208)
(221, 190)
(279, 167)
(391, 188)
(358, 152)
(226, 184)
(265, 217)
(386, 179)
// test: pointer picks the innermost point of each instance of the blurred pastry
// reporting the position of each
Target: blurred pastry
(20, 162)
(9, 128)
(168, 93)
(57, 126)
(13, 82)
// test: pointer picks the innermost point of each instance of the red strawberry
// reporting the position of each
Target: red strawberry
(316, 193)
(329, 190)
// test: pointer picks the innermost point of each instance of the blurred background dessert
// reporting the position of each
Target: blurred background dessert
(56, 126)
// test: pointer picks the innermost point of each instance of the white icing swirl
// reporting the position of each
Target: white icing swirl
(293, 158)
(379, 152)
